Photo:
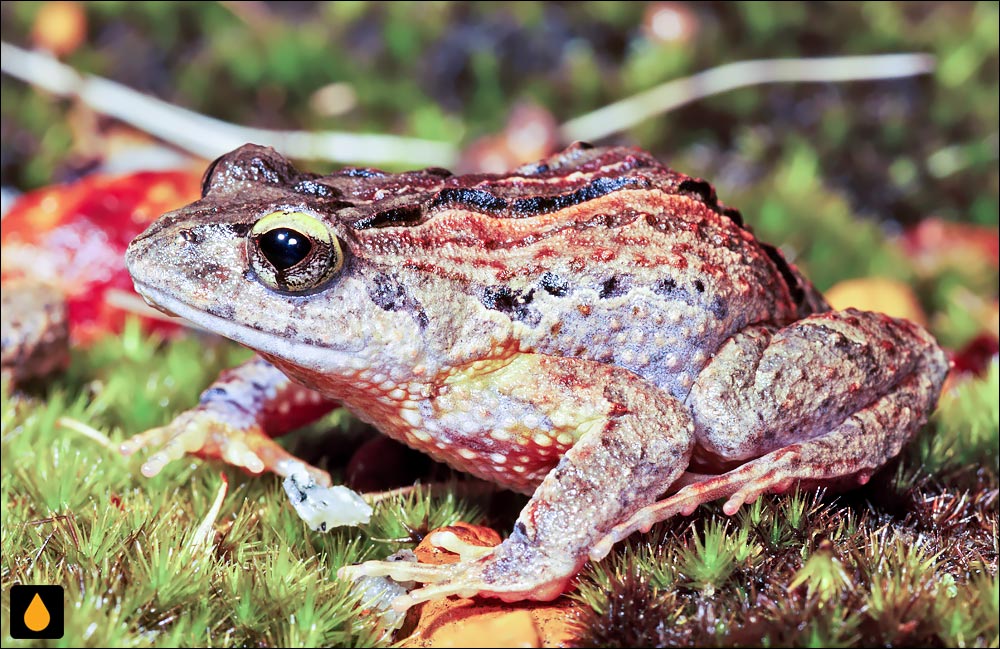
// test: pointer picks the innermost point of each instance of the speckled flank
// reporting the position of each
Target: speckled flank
(585, 328)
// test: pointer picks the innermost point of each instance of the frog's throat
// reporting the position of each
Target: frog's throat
(314, 357)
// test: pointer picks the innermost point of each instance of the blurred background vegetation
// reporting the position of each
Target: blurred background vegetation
(897, 149)
(840, 174)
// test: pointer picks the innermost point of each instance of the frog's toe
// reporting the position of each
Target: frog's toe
(171, 443)
(399, 571)
(490, 577)
(195, 432)
(279, 461)
(756, 488)
(446, 539)
(439, 581)
(464, 577)
(402, 603)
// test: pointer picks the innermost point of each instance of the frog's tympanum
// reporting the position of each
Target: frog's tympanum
(594, 329)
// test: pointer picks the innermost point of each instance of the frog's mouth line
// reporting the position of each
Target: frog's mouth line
(302, 354)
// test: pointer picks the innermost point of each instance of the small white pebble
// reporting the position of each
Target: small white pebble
(323, 508)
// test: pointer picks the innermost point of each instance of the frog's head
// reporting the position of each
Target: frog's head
(267, 257)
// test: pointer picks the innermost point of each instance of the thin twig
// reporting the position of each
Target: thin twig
(130, 302)
(209, 137)
(628, 112)
(85, 430)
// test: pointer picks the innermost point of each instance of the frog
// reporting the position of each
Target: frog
(35, 332)
(594, 330)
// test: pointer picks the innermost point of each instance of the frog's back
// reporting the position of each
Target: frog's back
(596, 253)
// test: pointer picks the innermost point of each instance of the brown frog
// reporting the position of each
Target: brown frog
(34, 331)
(594, 329)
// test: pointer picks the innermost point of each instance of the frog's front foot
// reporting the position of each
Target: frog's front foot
(207, 433)
(235, 421)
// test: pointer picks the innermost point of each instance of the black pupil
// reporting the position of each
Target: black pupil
(283, 247)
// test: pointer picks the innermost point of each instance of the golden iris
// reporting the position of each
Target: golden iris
(293, 252)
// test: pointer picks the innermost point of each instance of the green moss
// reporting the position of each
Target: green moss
(882, 586)
(968, 428)
(126, 548)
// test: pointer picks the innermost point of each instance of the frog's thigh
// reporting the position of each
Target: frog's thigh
(763, 391)
(832, 396)
(622, 460)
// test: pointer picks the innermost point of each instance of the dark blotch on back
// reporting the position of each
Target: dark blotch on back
(734, 215)
(484, 201)
(479, 199)
(554, 285)
(704, 191)
(615, 286)
(595, 189)
(701, 189)
(514, 304)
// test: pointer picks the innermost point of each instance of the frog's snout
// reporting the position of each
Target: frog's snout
(140, 289)
(136, 261)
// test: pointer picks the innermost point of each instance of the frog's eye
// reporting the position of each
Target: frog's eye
(293, 252)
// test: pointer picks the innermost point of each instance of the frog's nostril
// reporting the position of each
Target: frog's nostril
(188, 236)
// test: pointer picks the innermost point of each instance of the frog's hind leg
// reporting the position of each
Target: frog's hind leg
(627, 443)
(828, 398)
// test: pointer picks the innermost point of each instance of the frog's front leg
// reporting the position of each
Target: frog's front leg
(235, 421)
(622, 440)
(826, 400)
